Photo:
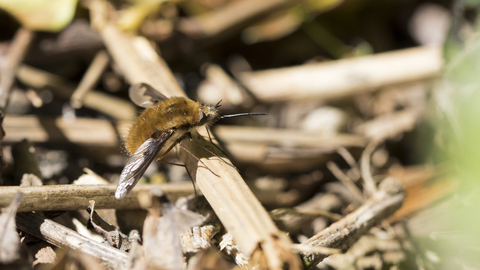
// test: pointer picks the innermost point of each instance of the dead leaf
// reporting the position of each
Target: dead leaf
(9, 239)
(45, 255)
(161, 235)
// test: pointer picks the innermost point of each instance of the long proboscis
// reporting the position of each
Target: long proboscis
(241, 114)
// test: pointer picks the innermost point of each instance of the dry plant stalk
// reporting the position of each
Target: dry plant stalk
(82, 131)
(64, 237)
(228, 17)
(343, 233)
(17, 51)
(72, 197)
(235, 138)
(240, 212)
(110, 105)
(91, 77)
(389, 126)
(342, 78)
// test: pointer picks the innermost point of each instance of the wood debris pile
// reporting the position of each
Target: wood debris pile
(328, 179)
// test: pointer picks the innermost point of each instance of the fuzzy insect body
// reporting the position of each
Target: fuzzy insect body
(176, 113)
(164, 124)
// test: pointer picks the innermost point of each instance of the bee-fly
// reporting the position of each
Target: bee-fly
(163, 125)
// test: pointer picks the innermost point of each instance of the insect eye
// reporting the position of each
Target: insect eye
(202, 120)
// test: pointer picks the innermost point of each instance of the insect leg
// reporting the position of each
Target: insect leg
(188, 151)
(183, 165)
(170, 163)
(231, 165)
(210, 138)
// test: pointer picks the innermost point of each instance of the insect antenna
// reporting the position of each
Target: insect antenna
(241, 114)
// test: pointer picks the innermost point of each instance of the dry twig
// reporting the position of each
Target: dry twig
(110, 105)
(73, 197)
(92, 75)
(343, 233)
(342, 78)
(64, 237)
(370, 185)
(228, 17)
(228, 194)
(349, 184)
(17, 52)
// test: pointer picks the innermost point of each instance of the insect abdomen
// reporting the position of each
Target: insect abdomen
(172, 113)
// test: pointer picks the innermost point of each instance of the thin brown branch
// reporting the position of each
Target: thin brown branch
(73, 197)
(279, 212)
(271, 149)
(343, 233)
(96, 100)
(287, 137)
(389, 125)
(64, 237)
(228, 17)
(342, 151)
(315, 250)
(321, 202)
(17, 51)
(344, 78)
(91, 77)
(347, 182)
(370, 185)
(83, 131)
(347, 156)
(233, 202)
(101, 132)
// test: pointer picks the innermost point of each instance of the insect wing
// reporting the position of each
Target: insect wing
(139, 162)
(144, 95)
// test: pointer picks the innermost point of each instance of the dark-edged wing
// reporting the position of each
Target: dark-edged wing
(144, 95)
(139, 162)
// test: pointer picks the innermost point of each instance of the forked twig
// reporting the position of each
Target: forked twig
(369, 182)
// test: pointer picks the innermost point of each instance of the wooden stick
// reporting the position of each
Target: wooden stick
(96, 100)
(389, 125)
(344, 78)
(369, 184)
(269, 148)
(83, 131)
(91, 77)
(343, 233)
(242, 214)
(17, 51)
(102, 132)
(287, 137)
(225, 18)
(346, 181)
(139, 61)
(76, 197)
(64, 237)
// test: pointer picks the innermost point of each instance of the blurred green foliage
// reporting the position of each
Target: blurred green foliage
(457, 98)
(44, 15)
